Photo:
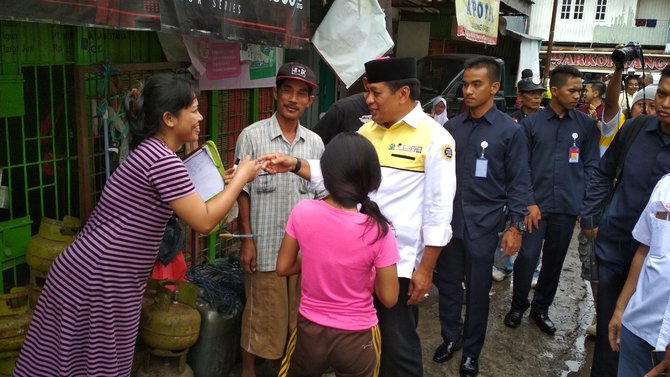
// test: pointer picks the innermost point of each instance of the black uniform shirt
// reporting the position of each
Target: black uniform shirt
(558, 186)
(347, 114)
(648, 160)
(478, 202)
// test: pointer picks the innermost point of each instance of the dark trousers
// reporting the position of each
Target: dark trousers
(401, 346)
(470, 261)
(555, 232)
(612, 277)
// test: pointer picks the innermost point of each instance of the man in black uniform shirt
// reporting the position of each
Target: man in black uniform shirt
(563, 147)
(347, 114)
(491, 171)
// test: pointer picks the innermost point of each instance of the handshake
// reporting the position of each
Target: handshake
(271, 163)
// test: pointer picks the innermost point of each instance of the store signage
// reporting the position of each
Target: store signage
(478, 20)
(604, 61)
(279, 23)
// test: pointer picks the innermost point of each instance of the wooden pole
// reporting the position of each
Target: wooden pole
(550, 45)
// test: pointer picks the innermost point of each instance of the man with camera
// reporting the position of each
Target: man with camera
(620, 56)
(638, 156)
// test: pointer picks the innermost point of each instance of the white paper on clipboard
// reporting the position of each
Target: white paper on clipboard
(205, 176)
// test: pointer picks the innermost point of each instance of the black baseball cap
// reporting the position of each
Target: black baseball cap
(530, 85)
(297, 71)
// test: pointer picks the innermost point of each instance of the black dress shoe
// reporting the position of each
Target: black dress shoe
(469, 367)
(445, 351)
(543, 322)
(513, 318)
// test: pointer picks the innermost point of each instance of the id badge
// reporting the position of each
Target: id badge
(574, 155)
(481, 166)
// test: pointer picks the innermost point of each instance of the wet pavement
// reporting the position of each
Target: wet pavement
(522, 352)
(525, 351)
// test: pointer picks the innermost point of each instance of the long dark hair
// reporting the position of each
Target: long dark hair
(161, 93)
(350, 168)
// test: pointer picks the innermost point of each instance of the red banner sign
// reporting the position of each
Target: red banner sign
(604, 61)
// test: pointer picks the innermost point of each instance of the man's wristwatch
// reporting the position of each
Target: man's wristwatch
(518, 225)
(298, 165)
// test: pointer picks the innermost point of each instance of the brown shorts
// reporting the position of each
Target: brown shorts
(313, 348)
(270, 313)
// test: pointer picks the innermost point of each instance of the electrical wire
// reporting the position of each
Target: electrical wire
(222, 285)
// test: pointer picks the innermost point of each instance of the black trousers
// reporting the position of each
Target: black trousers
(469, 261)
(552, 239)
(401, 346)
(612, 278)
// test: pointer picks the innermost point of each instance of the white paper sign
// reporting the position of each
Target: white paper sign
(352, 33)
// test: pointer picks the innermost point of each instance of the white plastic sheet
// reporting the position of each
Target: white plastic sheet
(352, 33)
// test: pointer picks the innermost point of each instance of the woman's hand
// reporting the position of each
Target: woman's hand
(248, 169)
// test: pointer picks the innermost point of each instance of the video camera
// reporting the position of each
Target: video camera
(624, 55)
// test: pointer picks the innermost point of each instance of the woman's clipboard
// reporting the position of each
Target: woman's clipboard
(206, 170)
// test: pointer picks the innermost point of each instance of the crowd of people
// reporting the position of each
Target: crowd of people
(357, 226)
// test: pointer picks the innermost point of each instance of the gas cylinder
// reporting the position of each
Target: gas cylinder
(161, 363)
(52, 238)
(15, 316)
(7, 362)
(214, 354)
(168, 324)
(14, 319)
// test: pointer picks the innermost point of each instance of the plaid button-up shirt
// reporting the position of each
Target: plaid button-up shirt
(272, 197)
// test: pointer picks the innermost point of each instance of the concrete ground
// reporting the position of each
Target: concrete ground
(521, 352)
(525, 351)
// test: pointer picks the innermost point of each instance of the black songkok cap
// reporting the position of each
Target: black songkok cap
(390, 69)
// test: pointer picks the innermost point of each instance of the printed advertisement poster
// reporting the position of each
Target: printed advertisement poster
(231, 65)
(478, 20)
(123, 14)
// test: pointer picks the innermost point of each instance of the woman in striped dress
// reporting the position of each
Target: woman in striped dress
(87, 317)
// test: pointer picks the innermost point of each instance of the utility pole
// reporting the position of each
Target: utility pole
(550, 45)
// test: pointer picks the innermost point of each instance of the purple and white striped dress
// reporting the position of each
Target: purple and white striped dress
(87, 317)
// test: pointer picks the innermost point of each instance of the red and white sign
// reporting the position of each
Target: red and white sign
(603, 61)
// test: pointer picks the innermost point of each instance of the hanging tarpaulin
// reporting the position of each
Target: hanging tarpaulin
(279, 23)
(124, 14)
(478, 20)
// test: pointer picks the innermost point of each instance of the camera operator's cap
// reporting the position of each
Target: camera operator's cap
(649, 93)
(530, 85)
(298, 72)
(389, 69)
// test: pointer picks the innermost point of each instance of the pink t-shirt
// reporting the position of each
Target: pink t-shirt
(338, 264)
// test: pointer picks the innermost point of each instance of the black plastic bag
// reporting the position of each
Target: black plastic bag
(172, 242)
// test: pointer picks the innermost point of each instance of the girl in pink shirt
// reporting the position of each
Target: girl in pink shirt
(346, 254)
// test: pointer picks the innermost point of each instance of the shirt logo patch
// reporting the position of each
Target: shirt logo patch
(405, 148)
(448, 152)
(365, 118)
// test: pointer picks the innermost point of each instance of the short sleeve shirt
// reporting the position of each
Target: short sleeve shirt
(272, 197)
(648, 312)
(340, 253)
